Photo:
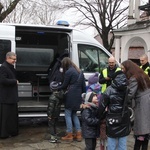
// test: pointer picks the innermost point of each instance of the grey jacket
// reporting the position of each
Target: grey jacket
(142, 107)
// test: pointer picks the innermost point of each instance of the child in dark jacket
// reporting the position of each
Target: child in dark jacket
(95, 86)
(53, 109)
(90, 120)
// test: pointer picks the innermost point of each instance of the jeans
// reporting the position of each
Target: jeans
(117, 143)
(71, 115)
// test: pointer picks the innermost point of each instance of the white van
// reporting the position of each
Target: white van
(36, 47)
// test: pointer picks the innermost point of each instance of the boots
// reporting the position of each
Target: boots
(68, 137)
(77, 136)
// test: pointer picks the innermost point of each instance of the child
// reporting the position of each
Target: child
(93, 85)
(53, 109)
(90, 120)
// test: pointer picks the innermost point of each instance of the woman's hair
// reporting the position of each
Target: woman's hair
(133, 70)
(66, 63)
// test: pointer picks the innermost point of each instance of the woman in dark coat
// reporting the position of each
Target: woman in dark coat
(74, 83)
(113, 98)
(8, 98)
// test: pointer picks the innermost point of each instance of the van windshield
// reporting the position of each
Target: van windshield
(91, 58)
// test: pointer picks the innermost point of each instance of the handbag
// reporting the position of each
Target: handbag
(116, 118)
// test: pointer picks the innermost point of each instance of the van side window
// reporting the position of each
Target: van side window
(5, 46)
(34, 59)
(91, 58)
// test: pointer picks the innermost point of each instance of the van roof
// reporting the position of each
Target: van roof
(78, 35)
(37, 25)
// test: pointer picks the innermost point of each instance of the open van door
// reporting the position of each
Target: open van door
(7, 41)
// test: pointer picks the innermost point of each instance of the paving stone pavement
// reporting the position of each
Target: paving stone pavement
(34, 136)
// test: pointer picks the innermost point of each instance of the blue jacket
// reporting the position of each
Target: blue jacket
(74, 83)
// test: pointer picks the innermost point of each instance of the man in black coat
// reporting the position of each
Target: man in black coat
(8, 97)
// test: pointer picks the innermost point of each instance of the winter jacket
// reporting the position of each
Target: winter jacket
(54, 104)
(53, 71)
(74, 83)
(142, 107)
(107, 72)
(90, 122)
(8, 84)
(113, 98)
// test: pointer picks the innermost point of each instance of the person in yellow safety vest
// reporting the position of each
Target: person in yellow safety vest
(106, 75)
(145, 64)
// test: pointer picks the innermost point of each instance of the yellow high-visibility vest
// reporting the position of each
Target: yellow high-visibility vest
(104, 86)
(146, 70)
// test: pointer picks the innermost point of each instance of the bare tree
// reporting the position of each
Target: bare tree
(103, 15)
(36, 12)
(46, 11)
(6, 7)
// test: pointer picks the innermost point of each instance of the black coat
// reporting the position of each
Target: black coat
(90, 122)
(53, 71)
(75, 83)
(113, 98)
(8, 84)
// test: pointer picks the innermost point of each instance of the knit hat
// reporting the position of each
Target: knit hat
(87, 97)
(93, 78)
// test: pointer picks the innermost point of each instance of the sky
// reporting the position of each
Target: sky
(68, 16)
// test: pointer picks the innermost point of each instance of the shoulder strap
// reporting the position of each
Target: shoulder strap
(79, 76)
(125, 101)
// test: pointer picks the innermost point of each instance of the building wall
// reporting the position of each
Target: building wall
(135, 51)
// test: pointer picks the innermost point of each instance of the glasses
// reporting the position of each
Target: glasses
(12, 58)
